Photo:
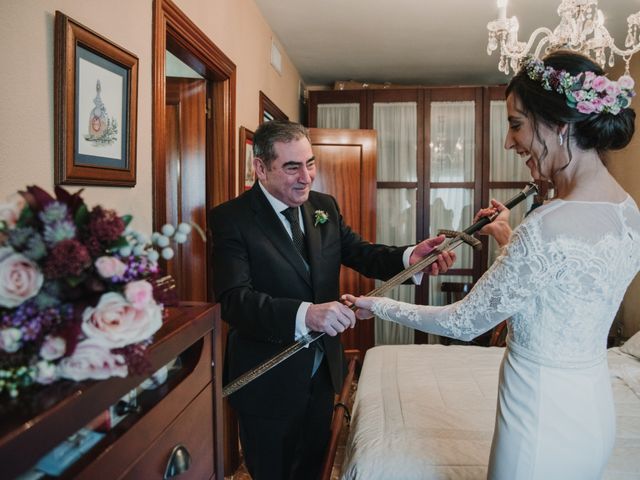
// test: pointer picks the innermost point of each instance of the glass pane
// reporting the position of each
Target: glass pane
(396, 225)
(452, 209)
(396, 124)
(436, 295)
(505, 165)
(516, 216)
(452, 141)
(339, 115)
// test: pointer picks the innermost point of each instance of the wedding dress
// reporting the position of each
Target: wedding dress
(561, 280)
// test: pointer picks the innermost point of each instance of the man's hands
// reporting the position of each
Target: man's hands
(499, 228)
(331, 318)
(424, 248)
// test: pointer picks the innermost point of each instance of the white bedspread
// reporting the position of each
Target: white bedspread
(427, 412)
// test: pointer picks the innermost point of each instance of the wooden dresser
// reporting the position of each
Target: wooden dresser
(183, 412)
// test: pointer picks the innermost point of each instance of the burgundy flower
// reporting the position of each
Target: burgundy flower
(105, 225)
(68, 257)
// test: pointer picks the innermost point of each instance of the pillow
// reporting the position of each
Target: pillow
(632, 346)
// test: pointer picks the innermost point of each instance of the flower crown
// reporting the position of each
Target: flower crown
(586, 91)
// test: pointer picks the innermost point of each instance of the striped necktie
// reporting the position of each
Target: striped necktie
(297, 236)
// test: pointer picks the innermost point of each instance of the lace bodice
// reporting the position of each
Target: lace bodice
(560, 281)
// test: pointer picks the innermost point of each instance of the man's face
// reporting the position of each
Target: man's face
(291, 174)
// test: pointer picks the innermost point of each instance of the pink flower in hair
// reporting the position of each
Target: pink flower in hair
(586, 107)
(613, 89)
(626, 82)
(609, 101)
(600, 83)
(588, 79)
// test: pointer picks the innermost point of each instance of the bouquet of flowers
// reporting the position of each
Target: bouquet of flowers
(81, 294)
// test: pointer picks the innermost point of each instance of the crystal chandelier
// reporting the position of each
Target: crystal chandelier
(581, 29)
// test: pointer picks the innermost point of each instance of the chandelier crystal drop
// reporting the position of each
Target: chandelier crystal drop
(581, 29)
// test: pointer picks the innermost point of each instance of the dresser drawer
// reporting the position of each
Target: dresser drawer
(193, 429)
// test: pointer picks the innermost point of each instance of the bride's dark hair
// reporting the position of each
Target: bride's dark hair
(602, 131)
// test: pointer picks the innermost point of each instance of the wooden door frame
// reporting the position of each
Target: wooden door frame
(173, 29)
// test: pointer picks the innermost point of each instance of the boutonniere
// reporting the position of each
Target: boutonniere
(320, 217)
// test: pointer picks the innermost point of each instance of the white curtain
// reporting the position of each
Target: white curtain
(452, 141)
(451, 209)
(505, 165)
(396, 124)
(396, 225)
(339, 115)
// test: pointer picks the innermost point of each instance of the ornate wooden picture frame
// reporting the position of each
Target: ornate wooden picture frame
(95, 105)
(247, 175)
(269, 110)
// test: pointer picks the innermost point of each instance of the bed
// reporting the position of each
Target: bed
(427, 412)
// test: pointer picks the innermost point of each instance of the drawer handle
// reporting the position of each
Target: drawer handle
(179, 462)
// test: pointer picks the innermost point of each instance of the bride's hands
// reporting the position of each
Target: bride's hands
(499, 228)
(364, 304)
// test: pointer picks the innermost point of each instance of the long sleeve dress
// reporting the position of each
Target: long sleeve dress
(560, 280)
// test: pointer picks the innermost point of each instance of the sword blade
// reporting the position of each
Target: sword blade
(446, 246)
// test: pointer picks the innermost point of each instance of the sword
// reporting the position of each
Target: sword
(453, 240)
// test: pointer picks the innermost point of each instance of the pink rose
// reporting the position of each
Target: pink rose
(110, 267)
(613, 90)
(114, 322)
(609, 101)
(600, 83)
(139, 293)
(20, 278)
(46, 372)
(92, 360)
(588, 78)
(626, 82)
(10, 211)
(585, 107)
(53, 348)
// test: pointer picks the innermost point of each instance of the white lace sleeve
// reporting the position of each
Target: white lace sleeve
(506, 288)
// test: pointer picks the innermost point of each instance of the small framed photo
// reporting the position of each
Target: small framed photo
(96, 93)
(246, 159)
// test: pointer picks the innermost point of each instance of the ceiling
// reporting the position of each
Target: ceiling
(425, 42)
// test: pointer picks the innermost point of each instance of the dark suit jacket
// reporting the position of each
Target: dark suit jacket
(260, 281)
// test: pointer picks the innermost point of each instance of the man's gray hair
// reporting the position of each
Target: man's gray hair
(275, 131)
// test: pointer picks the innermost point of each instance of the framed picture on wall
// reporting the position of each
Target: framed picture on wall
(269, 111)
(95, 104)
(246, 159)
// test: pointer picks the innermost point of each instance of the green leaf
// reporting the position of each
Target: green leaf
(74, 281)
(127, 219)
(26, 215)
(82, 216)
(120, 242)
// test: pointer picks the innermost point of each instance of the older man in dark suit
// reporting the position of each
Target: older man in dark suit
(277, 277)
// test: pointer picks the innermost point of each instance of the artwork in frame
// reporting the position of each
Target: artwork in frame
(95, 89)
(246, 159)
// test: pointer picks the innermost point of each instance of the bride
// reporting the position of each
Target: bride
(560, 278)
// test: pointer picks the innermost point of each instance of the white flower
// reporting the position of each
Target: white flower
(92, 360)
(53, 348)
(109, 267)
(10, 211)
(20, 278)
(46, 372)
(114, 322)
(10, 339)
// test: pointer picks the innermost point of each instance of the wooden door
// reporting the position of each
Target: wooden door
(185, 170)
(346, 162)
